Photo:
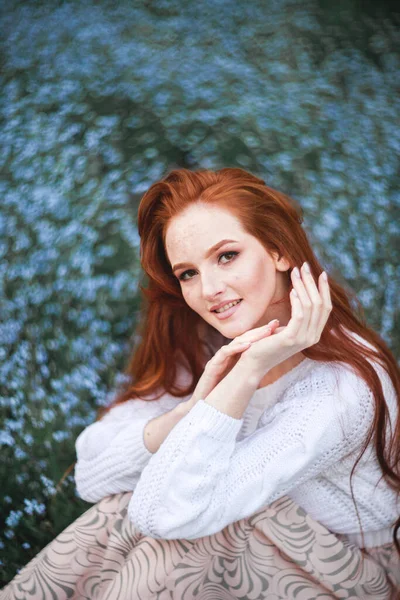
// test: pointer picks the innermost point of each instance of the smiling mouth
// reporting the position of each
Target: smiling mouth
(240, 300)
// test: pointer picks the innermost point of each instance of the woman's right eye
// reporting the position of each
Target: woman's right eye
(182, 274)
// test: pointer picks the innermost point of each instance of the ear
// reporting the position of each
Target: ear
(281, 262)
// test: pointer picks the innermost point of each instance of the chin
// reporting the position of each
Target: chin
(234, 331)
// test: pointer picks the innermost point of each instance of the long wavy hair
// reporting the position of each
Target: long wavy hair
(162, 343)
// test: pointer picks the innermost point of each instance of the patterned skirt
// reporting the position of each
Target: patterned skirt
(280, 552)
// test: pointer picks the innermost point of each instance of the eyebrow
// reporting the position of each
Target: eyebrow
(208, 253)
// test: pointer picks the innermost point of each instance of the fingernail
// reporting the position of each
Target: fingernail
(307, 267)
(296, 272)
(325, 276)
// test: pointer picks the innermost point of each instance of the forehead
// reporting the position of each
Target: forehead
(201, 226)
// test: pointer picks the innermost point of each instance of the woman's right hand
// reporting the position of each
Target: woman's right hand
(226, 358)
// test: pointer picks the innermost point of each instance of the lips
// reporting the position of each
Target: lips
(225, 303)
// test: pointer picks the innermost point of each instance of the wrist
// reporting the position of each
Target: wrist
(184, 407)
(248, 372)
(233, 393)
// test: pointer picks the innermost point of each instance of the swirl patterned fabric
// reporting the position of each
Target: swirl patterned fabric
(280, 552)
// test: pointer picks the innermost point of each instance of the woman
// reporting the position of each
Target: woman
(265, 467)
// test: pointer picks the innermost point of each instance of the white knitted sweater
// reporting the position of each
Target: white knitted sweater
(299, 436)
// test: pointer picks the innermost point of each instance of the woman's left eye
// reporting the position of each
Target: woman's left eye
(233, 253)
(227, 253)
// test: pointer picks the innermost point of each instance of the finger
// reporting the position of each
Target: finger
(222, 357)
(305, 301)
(258, 333)
(312, 333)
(232, 348)
(260, 330)
(325, 292)
(292, 328)
(280, 329)
(269, 328)
(273, 325)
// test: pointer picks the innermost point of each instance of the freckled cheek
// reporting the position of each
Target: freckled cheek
(186, 297)
(255, 283)
(246, 280)
(191, 300)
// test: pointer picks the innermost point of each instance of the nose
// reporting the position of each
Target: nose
(213, 290)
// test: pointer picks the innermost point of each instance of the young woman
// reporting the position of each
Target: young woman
(254, 451)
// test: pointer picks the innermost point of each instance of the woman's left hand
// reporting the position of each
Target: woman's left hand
(311, 307)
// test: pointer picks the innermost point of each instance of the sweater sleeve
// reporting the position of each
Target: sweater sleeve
(200, 480)
(111, 452)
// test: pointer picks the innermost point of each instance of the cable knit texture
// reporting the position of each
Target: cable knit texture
(111, 453)
(300, 436)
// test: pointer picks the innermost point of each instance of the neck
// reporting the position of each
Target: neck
(281, 369)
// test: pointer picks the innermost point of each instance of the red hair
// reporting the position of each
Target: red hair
(162, 340)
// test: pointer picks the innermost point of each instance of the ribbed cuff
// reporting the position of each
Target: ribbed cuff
(213, 422)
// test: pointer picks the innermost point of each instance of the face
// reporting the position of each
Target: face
(243, 269)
